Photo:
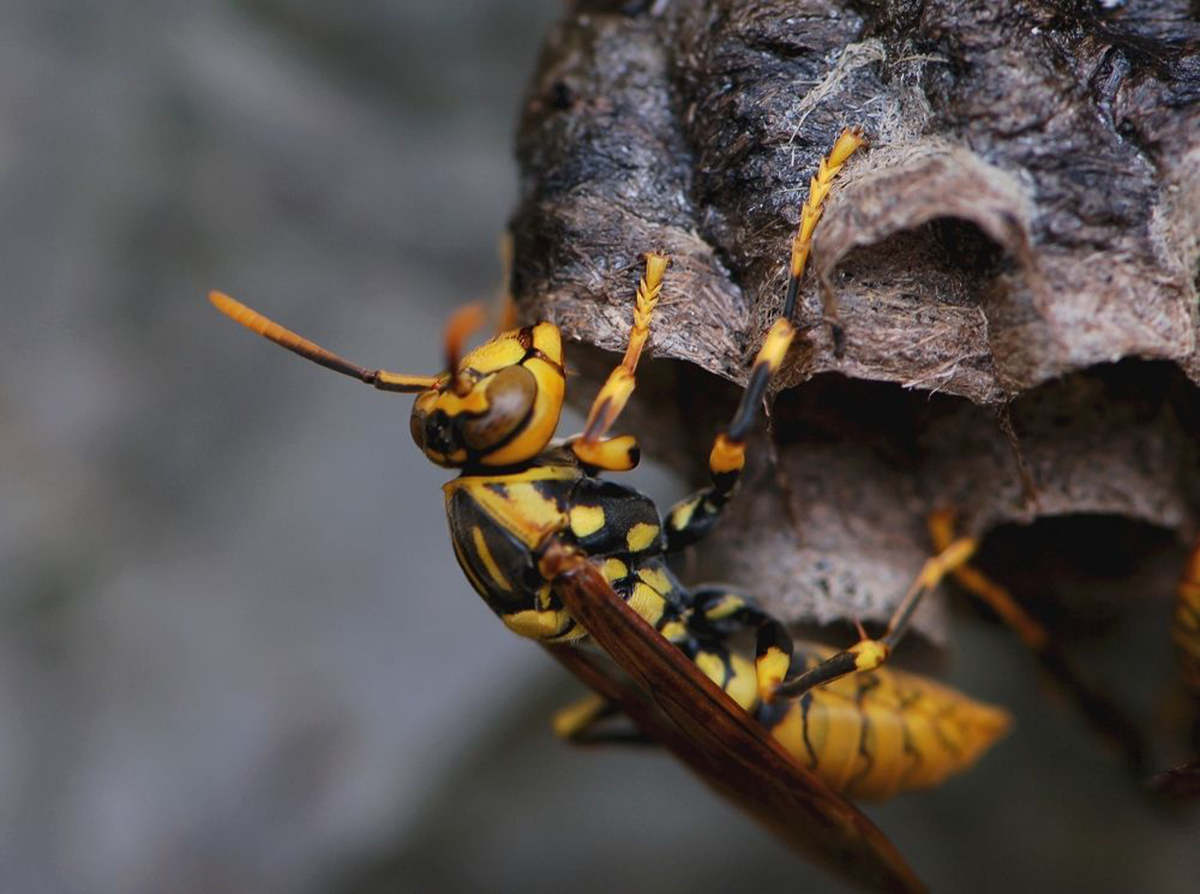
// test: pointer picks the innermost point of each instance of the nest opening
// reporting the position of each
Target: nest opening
(1079, 574)
(945, 261)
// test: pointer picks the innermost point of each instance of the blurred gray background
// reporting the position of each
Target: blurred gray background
(236, 654)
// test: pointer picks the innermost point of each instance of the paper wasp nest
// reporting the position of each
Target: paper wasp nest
(1015, 260)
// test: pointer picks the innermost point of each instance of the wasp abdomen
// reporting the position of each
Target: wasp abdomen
(873, 735)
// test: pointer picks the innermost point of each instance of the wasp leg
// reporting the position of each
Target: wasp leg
(694, 516)
(1100, 711)
(868, 654)
(996, 597)
(1185, 623)
(818, 190)
(594, 720)
(722, 614)
(1185, 634)
(620, 454)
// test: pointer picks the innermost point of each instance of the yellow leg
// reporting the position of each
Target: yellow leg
(573, 720)
(996, 597)
(1101, 712)
(868, 654)
(818, 190)
(594, 720)
(620, 454)
(693, 517)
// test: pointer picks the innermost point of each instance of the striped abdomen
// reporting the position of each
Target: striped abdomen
(874, 735)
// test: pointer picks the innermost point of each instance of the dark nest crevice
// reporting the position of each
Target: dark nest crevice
(1081, 575)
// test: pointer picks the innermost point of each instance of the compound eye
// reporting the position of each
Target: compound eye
(418, 421)
(510, 395)
(416, 425)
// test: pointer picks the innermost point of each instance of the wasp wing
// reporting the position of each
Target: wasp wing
(722, 744)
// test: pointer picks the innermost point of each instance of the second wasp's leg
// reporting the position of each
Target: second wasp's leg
(693, 517)
(1100, 711)
(594, 720)
(620, 454)
(868, 654)
(1185, 623)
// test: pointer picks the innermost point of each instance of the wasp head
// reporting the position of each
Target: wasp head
(501, 405)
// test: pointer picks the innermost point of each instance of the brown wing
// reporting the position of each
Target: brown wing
(723, 745)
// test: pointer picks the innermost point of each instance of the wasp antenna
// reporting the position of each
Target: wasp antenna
(286, 338)
(459, 327)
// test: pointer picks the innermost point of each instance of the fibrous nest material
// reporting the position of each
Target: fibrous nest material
(1015, 260)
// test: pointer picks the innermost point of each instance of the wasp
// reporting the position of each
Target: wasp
(563, 555)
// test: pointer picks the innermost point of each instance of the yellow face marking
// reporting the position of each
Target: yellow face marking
(546, 338)
(503, 350)
(489, 561)
(641, 536)
(536, 625)
(657, 578)
(586, 520)
(425, 401)
(475, 401)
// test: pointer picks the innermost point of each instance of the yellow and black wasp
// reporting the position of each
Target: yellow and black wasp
(562, 555)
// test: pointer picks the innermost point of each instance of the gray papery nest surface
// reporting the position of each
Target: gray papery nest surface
(1015, 259)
